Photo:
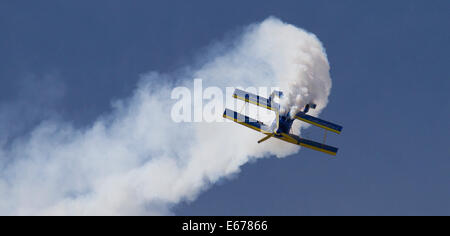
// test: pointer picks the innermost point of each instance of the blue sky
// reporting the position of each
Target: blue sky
(389, 65)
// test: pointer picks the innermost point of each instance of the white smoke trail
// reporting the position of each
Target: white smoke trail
(137, 160)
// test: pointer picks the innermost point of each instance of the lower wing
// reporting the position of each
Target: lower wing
(291, 138)
(246, 121)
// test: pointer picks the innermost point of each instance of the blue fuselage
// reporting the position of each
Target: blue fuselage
(285, 124)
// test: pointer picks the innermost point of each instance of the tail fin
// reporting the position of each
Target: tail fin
(311, 105)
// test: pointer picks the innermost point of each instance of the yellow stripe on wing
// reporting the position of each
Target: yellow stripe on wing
(245, 124)
(318, 125)
(253, 102)
(290, 139)
(318, 149)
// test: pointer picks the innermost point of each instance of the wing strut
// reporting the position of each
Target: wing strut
(325, 137)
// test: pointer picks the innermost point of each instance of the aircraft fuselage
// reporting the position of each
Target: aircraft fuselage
(285, 124)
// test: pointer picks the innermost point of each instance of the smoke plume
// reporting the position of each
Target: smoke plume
(137, 160)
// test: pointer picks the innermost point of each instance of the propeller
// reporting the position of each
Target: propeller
(267, 137)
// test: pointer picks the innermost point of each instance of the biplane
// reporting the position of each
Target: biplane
(281, 126)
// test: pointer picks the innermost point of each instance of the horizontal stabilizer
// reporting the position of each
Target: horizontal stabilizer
(245, 120)
(255, 99)
(319, 122)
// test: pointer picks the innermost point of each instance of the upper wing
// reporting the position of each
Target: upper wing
(308, 143)
(319, 122)
(255, 99)
(246, 121)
